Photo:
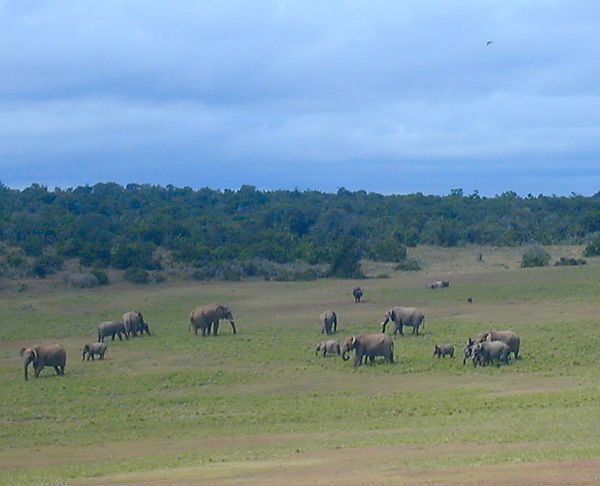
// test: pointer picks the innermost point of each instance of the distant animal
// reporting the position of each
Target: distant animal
(510, 338)
(489, 43)
(404, 316)
(468, 350)
(490, 351)
(369, 346)
(330, 346)
(357, 292)
(445, 283)
(469, 300)
(111, 328)
(207, 316)
(89, 350)
(42, 355)
(134, 323)
(440, 284)
(443, 350)
(328, 322)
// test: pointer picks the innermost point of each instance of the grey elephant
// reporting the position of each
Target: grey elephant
(468, 350)
(443, 350)
(510, 338)
(488, 351)
(89, 350)
(328, 322)
(134, 323)
(404, 316)
(435, 285)
(112, 328)
(204, 317)
(331, 347)
(357, 293)
(369, 346)
(43, 355)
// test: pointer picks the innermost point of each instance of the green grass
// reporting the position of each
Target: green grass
(161, 400)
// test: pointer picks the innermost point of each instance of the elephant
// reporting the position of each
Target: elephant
(42, 355)
(330, 346)
(357, 292)
(445, 283)
(369, 346)
(510, 338)
(404, 316)
(435, 285)
(112, 328)
(469, 300)
(468, 350)
(134, 323)
(488, 351)
(328, 322)
(90, 350)
(443, 350)
(204, 317)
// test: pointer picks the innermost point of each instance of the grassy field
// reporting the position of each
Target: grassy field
(260, 408)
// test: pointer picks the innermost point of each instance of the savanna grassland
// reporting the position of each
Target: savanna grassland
(259, 408)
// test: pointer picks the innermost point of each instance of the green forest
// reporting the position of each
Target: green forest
(140, 227)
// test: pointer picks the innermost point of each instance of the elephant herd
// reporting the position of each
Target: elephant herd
(205, 318)
(486, 348)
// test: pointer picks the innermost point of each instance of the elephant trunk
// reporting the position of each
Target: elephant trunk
(232, 325)
(345, 356)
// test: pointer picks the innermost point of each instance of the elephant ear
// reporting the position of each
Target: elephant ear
(22, 352)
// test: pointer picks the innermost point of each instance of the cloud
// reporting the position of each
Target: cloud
(291, 94)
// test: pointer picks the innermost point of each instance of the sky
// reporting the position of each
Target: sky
(384, 96)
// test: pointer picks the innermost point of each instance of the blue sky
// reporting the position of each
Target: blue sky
(386, 96)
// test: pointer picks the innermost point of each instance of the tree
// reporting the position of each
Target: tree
(345, 261)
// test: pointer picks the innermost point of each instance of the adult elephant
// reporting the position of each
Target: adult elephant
(328, 322)
(111, 328)
(134, 323)
(369, 346)
(43, 355)
(404, 316)
(204, 317)
(510, 338)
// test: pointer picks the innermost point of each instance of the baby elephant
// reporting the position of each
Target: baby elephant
(443, 350)
(90, 350)
(330, 346)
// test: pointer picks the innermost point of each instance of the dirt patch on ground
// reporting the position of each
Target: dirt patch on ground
(397, 465)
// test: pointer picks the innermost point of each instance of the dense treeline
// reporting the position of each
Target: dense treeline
(108, 225)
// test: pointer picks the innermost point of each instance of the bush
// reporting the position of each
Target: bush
(136, 276)
(346, 260)
(408, 265)
(101, 276)
(46, 265)
(160, 278)
(566, 261)
(535, 256)
(593, 249)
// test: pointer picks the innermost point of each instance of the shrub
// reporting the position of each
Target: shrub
(136, 276)
(101, 276)
(566, 261)
(593, 248)
(346, 260)
(160, 278)
(535, 256)
(46, 265)
(408, 265)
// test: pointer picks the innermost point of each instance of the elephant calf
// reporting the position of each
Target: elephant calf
(443, 350)
(43, 355)
(331, 346)
(112, 329)
(357, 293)
(90, 350)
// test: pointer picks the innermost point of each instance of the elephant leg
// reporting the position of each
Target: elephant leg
(233, 327)
(215, 327)
(57, 369)
(401, 330)
(37, 371)
(93, 359)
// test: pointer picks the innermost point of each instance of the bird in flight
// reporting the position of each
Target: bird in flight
(489, 43)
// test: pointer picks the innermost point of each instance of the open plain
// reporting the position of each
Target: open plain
(259, 408)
